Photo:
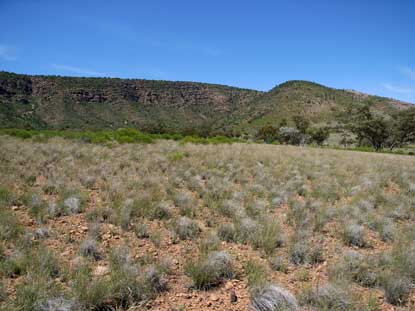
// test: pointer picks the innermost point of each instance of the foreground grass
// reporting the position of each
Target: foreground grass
(104, 227)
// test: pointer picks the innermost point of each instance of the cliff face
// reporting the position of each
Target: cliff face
(95, 103)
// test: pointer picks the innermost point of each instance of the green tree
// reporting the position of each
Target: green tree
(268, 133)
(403, 128)
(319, 135)
(375, 129)
(301, 123)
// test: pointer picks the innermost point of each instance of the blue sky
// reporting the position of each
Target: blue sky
(366, 45)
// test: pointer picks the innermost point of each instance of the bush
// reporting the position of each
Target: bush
(290, 135)
(210, 272)
(273, 298)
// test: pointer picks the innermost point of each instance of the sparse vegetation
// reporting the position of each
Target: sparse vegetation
(231, 217)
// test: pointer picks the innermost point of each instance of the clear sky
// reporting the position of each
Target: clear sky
(366, 45)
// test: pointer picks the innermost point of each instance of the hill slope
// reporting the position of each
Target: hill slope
(81, 103)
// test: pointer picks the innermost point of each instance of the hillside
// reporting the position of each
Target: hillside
(94, 103)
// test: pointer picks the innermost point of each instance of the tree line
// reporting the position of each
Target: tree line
(361, 126)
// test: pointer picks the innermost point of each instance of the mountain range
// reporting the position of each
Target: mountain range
(56, 102)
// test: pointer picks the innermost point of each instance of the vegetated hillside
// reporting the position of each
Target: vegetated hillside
(317, 103)
(91, 103)
(67, 102)
(172, 226)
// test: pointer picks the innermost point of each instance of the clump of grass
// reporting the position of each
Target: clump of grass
(256, 274)
(267, 236)
(57, 304)
(355, 267)
(245, 229)
(301, 252)
(272, 297)
(154, 279)
(41, 233)
(396, 288)
(89, 248)
(10, 229)
(227, 232)
(186, 228)
(91, 293)
(100, 214)
(210, 271)
(278, 263)
(354, 235)
(328, 297)
(161, 210)
(16, 264)
(141, 231)
(34, 291)
(209, 244)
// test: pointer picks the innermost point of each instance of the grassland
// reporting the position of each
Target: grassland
(181, 226)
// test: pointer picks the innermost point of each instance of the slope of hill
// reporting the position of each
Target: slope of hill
(317, 103)
(95, 103)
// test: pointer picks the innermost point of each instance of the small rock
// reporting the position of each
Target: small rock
(214, 298)
(100, 270)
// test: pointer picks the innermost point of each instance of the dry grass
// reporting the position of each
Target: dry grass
(295, 211)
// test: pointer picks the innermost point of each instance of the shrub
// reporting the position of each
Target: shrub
(186, 228)
(354, 234)
(273, 298)
(290, 135)
(210, 272)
